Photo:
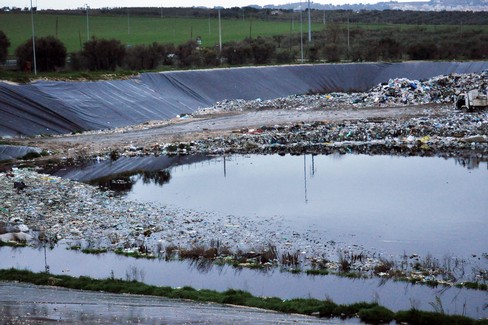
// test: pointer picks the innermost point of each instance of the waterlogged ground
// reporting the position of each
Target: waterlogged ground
(272, 283)
(387, 207)
(390, 205)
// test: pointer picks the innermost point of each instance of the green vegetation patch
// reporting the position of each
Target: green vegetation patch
(368, 312)
(94, 251)
(72, 29)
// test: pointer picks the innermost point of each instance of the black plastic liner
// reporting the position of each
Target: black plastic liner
(96, 172)
(12, 152)
(55, 107)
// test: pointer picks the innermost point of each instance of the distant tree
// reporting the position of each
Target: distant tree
(144, 57)
(237, 53)
(389, 49)
(190, 54)
(4, 45)
(103, 54)
(262, 50)
(187, 54)
(332, 53)
(286, 56)
(313, 54)
(422, 51)
(209, 57)
(50, 54)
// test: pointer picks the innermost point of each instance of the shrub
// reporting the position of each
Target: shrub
(145, 57)
(376, 315)
(187, 54)
(50, 54)
(237, 53)
(286, 56)
(389, 49)
(332, 53)
(102, 54)
(423, 51)
(4, 45)
(313, 54)
(262, 50)
(209, 57)
(190, 54)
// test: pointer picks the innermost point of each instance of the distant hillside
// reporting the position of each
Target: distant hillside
(432, 5)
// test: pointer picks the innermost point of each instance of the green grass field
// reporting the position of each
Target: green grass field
(72, 31)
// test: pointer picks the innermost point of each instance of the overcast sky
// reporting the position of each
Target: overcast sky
(72, 4)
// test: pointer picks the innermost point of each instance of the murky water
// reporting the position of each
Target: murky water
(383, 203)
(388, 205)
(393, 295)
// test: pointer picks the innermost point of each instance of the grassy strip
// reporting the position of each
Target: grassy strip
(71, 29)
(368, 312)
(21, 77)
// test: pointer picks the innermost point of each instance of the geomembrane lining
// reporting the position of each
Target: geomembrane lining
(57, 107)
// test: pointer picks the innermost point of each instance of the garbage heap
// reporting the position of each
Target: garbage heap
(396, 92)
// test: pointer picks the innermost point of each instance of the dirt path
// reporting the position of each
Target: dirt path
(221, 124)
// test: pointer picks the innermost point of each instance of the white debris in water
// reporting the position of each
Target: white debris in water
(63, 210)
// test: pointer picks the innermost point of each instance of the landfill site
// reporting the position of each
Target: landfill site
(395, 109)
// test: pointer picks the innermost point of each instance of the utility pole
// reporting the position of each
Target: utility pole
(301, 33)
(348, 33)
(220, 34)
(33, 39)
(87, 24)
(128, 21)
(309, 23)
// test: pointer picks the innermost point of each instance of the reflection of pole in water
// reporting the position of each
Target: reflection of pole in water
(46, 267)
(312, 172)
(225, 169)
(305, 176)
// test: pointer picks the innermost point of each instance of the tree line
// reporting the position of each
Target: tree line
(318, 16)
(362, 16)
(335, 43)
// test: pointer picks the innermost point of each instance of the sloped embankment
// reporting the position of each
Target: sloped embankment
(56, 107)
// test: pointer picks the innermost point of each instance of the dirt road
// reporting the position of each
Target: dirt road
(221, 124)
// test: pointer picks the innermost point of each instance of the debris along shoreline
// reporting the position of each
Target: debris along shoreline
(50, 210)
(54, 210)
(411, 116)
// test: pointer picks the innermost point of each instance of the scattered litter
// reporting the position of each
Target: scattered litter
(396, 92)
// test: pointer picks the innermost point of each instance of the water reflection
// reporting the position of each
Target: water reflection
(471, 163)
(387, 203)
(124, 183)
(392, 294)
(121, 174)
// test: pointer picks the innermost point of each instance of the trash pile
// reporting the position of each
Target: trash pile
(399, 91)
(60, 211)
(455, 133)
